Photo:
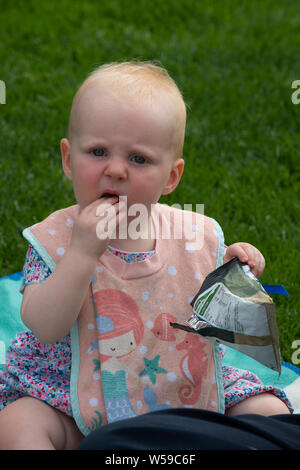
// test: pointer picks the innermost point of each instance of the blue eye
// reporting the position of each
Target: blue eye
(138, 159)
(98, 152)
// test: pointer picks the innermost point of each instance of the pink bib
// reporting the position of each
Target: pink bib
(126, 358)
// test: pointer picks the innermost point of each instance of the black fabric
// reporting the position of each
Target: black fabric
(194, 429)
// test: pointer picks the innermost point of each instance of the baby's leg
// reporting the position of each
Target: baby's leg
(265, 404)
(31, 424)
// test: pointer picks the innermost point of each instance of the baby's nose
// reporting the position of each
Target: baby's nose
(116, 168)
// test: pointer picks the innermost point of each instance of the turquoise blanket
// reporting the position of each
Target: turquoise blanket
(10, 319)
(11, 324)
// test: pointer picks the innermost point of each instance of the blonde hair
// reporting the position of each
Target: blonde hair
(139, 81)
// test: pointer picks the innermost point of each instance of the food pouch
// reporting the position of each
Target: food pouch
(233, 307)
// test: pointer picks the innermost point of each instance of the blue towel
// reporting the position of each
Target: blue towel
(10, 319)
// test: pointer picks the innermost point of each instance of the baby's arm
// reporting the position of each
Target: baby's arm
(49, 309)
(246, 253)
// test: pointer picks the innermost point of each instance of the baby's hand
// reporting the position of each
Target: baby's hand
(86, 236)
(247, 253)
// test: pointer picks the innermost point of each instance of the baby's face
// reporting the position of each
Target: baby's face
(120, 146)
(118, 346)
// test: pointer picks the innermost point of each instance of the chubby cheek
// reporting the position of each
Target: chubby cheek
(142, 194)
(147, 189)
(85, 184)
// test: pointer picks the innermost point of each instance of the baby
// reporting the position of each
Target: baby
(98, 302)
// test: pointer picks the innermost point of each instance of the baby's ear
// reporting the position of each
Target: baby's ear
(65, 149)
(175, 176)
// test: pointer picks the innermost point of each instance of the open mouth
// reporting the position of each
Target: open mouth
(110, 195)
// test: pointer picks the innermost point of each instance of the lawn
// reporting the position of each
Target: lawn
(234, 61)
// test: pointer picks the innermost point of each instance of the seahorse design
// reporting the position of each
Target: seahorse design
(191, 366)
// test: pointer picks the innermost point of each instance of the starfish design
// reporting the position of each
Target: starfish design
(152, 368)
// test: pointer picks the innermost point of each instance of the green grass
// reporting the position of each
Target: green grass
(234, 61)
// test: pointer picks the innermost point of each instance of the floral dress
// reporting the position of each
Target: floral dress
(43, 370)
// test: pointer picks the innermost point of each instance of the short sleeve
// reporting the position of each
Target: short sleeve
(35, 269)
